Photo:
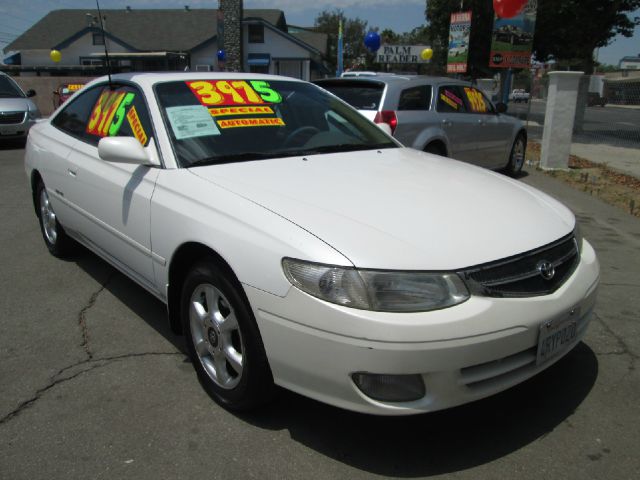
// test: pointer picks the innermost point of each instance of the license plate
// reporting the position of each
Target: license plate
(556, 336)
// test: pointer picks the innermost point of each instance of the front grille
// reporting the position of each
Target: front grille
(8, 118)
(521, 276)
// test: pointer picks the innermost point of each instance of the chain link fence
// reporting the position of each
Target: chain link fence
(607, 122)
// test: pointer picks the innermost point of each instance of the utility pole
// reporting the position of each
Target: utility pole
(232, 39)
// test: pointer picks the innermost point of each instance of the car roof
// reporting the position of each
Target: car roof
(395, 80)
(148, 79)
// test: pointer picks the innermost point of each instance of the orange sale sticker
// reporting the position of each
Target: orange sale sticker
(136, 126)
(251, 122)
(222, 111)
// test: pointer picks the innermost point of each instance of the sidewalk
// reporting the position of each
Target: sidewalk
(624, 160)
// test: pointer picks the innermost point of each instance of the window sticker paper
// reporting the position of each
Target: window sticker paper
(251, 122)
(222, 111)
(104, 111)
(118, 118)
(448, 101)
(136, 126)
(191, 121)
(233, 92)
(476, 101)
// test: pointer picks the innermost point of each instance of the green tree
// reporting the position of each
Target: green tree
(570, 30)
(353, 33)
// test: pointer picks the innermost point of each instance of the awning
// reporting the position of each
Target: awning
(259, 59)
(128, 55)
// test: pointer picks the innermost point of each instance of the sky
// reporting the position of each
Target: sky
(399, 15)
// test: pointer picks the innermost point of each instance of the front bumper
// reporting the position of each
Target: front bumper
(16, 130)
(462, 353)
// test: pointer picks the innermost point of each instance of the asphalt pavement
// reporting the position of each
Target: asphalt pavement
(94, 385)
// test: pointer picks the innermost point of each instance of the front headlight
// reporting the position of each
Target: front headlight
(378, 290)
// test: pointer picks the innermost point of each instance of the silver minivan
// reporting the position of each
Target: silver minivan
(17, 112)
(438, 115)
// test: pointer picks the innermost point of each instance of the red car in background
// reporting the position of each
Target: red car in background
(64, 91)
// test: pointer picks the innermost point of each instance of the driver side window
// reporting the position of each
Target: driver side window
(106, 111)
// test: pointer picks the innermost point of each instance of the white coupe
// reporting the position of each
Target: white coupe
(296, 244)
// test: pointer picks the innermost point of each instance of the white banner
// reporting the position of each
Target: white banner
(400, 54)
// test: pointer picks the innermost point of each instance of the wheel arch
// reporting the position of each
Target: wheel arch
(35, 179)
(185, 256)
(440, 144)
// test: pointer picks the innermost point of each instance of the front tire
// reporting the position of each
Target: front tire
(55, 238)
(516, 158)
(223, 339)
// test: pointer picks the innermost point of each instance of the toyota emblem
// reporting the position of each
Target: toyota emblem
(546, 269)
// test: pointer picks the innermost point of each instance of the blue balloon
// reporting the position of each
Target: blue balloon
(221, 56)
(372, 41)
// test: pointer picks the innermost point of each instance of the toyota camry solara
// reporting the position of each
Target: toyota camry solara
(296, 244)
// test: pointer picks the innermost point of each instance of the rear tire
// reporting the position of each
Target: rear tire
(223, 339)
(517, 156)
(55, 238)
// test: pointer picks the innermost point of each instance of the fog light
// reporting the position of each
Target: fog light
(390, 388)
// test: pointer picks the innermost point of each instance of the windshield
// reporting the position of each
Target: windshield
(359, 94)
(223, 121)
(9, 89)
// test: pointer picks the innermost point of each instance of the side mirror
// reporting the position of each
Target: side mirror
(501, 107)
(123, 150)
(31, 93)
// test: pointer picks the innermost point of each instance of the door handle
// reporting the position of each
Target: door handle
(446, 123)
(481, 122)
(72, 172)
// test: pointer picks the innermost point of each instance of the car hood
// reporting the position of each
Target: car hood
(14, 104)
(400, 208)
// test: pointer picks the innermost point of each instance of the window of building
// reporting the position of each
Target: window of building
(256, 33)
(98, 39)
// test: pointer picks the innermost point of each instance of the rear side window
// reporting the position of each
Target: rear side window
(450, 99)
(360, 95)
(416, 98)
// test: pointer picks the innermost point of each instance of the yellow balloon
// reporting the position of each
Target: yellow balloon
(55, 55)
(426, 54)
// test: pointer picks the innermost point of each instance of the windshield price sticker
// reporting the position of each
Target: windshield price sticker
(251, 122)
(219, 112)
(72, 87)
(136, 126)
(233, 92)
(109, 112)
(191, 121)
(476, 101)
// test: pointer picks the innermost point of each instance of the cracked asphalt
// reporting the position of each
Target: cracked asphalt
(94, 385)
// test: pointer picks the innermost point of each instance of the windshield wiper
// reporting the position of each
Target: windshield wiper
(342, 147)
(247, 156)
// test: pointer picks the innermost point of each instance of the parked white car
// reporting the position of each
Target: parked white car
(297, 244)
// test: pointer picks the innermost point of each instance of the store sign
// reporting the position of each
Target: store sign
(400, 54)
(512, 39)
(459, 32)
